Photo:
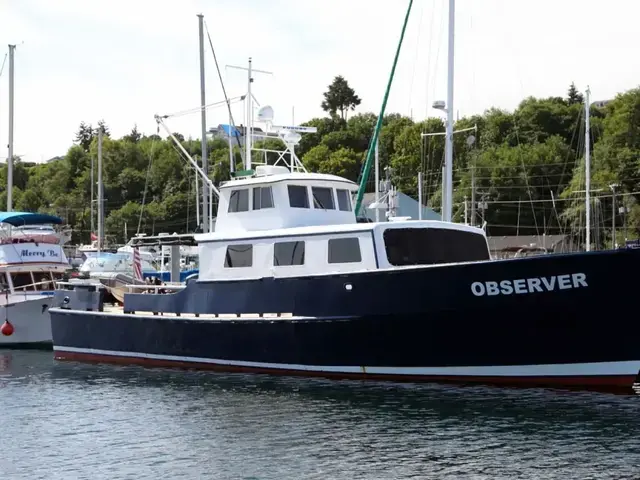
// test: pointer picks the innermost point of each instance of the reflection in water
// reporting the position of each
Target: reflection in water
(82, 421)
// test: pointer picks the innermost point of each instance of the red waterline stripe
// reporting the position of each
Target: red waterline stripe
(597, 382)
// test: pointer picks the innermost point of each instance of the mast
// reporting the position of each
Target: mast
(377, 180)
(203, 114)
(367, 165)
(249, 126)
(12, 49)
(448, 178)
(587, 162)
(100, 193)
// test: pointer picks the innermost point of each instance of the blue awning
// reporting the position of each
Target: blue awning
(18, 219)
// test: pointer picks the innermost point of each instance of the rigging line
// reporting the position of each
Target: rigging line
(224, 92)
(198, 109)
(146, 183)
(415, 59)
(3, 62)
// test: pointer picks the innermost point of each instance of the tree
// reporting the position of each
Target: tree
(573, 96)
(84, 136)
(105, 130)
(340, 96)
(134, 136)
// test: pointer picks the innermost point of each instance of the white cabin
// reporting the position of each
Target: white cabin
(278, 223)
(31, 255)
(277, 198)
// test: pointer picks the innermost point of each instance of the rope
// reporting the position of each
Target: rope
(224, 92)
(146, 182)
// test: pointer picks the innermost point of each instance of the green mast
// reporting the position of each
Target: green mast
(376, 132)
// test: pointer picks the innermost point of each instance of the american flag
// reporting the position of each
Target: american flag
(137, 264)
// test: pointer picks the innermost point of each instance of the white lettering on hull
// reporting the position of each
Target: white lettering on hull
(529, 285)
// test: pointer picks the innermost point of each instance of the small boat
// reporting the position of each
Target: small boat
(31, 261)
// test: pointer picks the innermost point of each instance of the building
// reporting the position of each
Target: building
(524, 245)
(600, 103)
(405, 206)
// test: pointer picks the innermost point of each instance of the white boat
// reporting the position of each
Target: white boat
(30, 264)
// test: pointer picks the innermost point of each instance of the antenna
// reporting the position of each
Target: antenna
(248, 99)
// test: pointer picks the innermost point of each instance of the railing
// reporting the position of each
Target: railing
(24, 292)
(155, 289)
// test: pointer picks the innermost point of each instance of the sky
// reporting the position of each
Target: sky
(124, 61)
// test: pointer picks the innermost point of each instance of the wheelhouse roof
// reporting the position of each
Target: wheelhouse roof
(18, 219)
(290, 176)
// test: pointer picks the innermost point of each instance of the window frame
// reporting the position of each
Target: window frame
(227, 258)
(347, 198)
(343, 239)
(306, 196)
(276, 261)
(313, 196)
(259, 191)
(236, 192)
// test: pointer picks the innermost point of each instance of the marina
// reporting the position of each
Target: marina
(397, 247)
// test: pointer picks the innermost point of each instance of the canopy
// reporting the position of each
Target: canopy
(18, 219)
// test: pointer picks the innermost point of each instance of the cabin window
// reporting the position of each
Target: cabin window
(322, 198)
(22, 281)
(298, 197)
(262, 198)
(429, 246)
(239, 200)
(344, 250)
(239, 256)
(344, 200)
(288, 253)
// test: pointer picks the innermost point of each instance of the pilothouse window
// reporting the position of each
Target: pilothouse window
(298, 197)
(239, 256)
(239, 200)
(262, 198)
(288, 253)
(322, 198)
(344, 200)
(22, 281)
(429, 246)
(344, 250)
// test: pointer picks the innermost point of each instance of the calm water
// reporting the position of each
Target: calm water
(72, 421)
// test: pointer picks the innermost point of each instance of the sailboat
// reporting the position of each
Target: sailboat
(291, 284)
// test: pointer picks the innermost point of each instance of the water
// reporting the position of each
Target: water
(73, 421)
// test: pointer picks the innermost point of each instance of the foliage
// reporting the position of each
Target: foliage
(340, 97)
(527, 165)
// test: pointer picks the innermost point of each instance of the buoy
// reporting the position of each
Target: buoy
(7, 329)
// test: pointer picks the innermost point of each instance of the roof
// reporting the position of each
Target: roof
(293, 176)
(28, 218)
(506, 242)
(329, 229)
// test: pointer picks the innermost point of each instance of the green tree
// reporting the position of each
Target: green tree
(340, 97)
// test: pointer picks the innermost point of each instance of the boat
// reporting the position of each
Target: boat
(30, 264)
(291, 283)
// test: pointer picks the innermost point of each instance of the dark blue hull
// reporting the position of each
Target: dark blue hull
(552, 320)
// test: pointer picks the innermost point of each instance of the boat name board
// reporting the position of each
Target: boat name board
(529, 285)
(43, 253)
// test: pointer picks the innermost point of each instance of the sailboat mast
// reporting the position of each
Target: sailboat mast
(203, 117)
(249, 126)
(587, 162)
(447, 206)
(12, 49)
(100, 193)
